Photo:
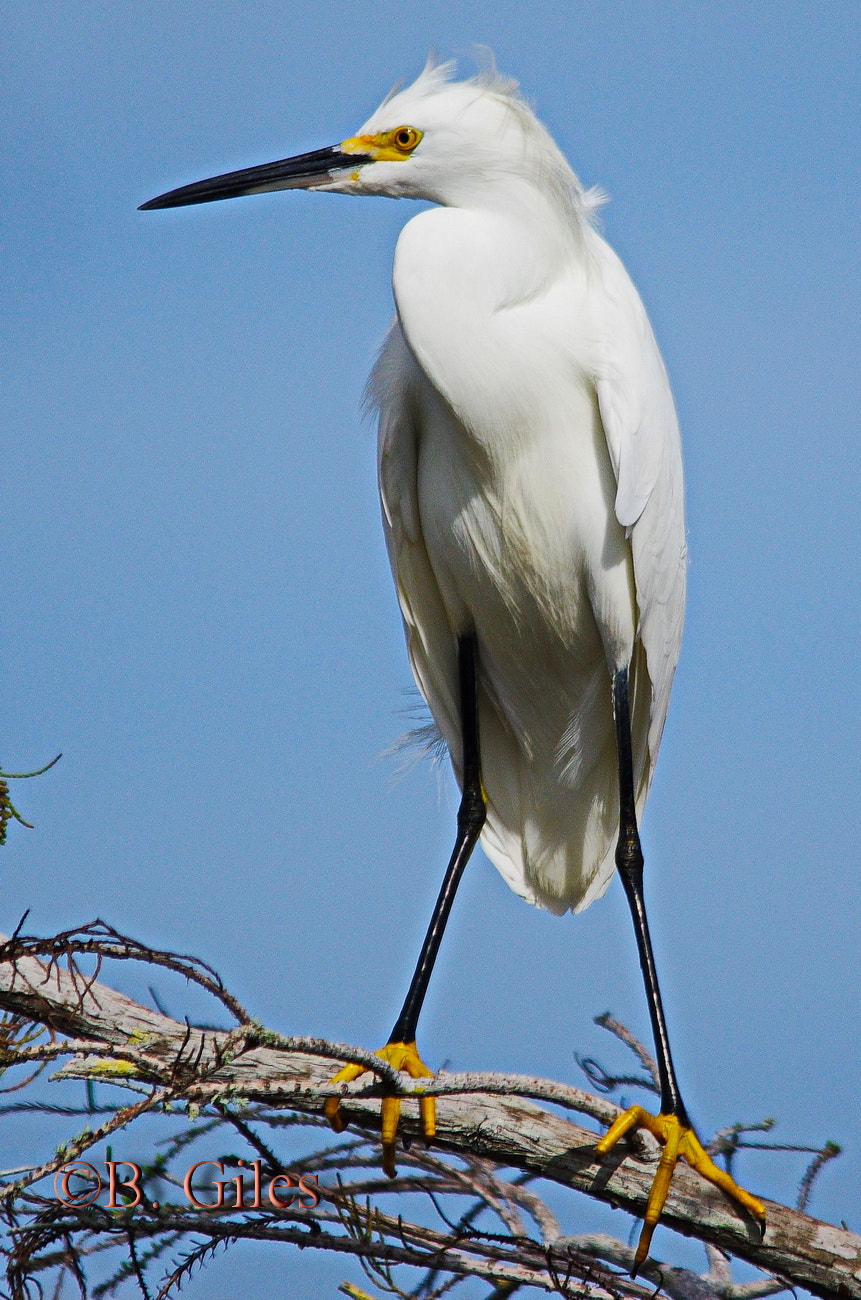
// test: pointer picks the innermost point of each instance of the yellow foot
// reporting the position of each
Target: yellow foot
(679, 1140)
(404, 1057)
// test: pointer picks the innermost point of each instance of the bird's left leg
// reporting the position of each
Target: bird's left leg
(401, 1051)
(672, 1126)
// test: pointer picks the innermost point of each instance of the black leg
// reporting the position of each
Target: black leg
(400, 1051)
(672, 1127)
(629, 861)
(470, 819)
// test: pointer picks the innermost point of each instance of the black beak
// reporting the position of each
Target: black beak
(305, 170)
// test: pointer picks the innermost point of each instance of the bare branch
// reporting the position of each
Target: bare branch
(488, 1121)
(608, 1022)
(820, 1159)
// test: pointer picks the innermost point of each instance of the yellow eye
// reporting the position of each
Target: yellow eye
(405, 138)
(385, 146)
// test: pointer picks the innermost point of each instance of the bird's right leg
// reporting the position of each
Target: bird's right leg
(400, 1051)
(672, 1126)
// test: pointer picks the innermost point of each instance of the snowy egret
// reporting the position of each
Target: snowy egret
(531, 484)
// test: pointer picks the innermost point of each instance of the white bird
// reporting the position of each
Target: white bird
(531, 484)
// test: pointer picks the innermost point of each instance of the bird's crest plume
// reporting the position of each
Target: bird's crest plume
(439, 77)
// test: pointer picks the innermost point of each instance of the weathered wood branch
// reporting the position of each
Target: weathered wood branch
(490, 1116)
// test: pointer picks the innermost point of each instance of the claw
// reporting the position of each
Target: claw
(332, 1111)
(404, 1057)
(332, 1108)
(679, 1140)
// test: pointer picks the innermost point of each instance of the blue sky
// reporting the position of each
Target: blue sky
(197, 608)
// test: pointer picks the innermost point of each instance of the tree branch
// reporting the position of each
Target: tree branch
(479, 1117)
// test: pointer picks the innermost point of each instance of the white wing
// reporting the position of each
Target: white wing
(394, 389)
(391, 389)
(642, 432)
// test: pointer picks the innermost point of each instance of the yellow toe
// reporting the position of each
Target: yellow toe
(679, 1140)
(332, 1108)
(427, 1111)
(405, 1058)
(332, 1111)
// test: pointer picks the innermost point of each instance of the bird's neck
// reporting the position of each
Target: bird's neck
(497, 253)
(465, 280)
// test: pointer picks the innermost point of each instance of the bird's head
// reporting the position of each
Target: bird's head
(454, 143)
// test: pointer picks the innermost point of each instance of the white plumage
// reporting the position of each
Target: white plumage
(530, 468)
(531, 483)
(530, 476)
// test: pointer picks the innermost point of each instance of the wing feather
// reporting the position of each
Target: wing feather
(642, 431)
(427, 628)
